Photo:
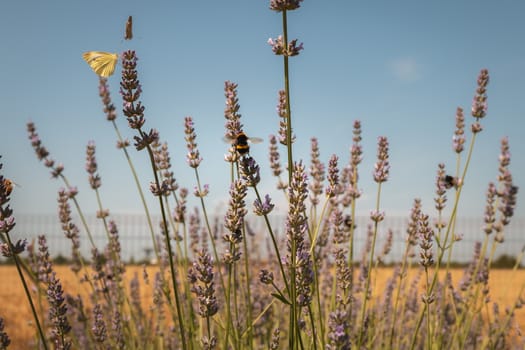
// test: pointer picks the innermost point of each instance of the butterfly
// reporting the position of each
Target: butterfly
(102, 63)
(129, 29)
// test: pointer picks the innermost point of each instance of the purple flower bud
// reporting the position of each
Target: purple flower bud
(263, 208)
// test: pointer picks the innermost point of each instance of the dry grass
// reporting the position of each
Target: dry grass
(504, 288)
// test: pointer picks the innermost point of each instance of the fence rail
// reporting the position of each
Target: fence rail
(136, 241)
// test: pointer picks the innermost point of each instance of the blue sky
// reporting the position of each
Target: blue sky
(401, 67)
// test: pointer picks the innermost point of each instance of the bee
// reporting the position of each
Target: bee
(129, 29)
(8, 186)
(241, 142)
(451, 181)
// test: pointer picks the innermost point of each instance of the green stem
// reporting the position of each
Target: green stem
(141, 193)
(274, 241)
(168, 246)
(28, 294)
(248, 293)
(441, 252)
(80, 213)
(370, 262)
(288, 104)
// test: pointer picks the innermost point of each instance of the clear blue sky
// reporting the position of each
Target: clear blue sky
(401, 67)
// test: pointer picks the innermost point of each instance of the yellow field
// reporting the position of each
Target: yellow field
(504, 288)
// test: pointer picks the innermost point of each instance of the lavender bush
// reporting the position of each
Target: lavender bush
(312, 291)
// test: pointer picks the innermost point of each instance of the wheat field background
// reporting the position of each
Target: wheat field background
(504, 288)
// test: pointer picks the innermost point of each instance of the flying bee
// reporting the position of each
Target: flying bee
(451, 181)
(241, 142)
(8, 186)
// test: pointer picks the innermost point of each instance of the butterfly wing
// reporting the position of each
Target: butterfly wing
(102, 63)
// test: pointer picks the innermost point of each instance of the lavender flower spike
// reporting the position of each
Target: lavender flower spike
(193, 156)
(382, 166)
(263, 208)
(250, 171)
(291, 49)
(284, 5)
(57, 314)
(479, 103)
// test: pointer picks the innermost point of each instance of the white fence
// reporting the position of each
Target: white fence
(136, 240)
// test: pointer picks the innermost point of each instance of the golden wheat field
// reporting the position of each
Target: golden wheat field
(504, 288)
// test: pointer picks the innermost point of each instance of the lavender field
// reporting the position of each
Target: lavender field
(275, 244)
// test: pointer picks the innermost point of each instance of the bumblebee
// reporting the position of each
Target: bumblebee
(451, 181)
(241, 142)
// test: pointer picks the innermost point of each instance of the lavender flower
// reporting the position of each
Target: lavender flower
(413, 223)
(274, 344)
(343, 276)
(263, 208)
(201, 193)
(275, 165)
(234, 218)
(44, 266)
(297, 194)
(467, 279)
(231, 112)
(180, 210)
(285, 5)
(441, 199)
(202, 271)
(338, 327)
(116, 327)
(317, 172)
(304, 275)
(193, 156)
(41, 152)
(479, 103)
(194, 230)
(69, 228)
(282, 112)
(377, 216)
(291, 49)
(426, 236)
(4, 338)
(57, 314)
(333, 177)
(350, 175)
(382, 166)
(130, 90)
(250, 171)
(209, 343)
(508, 194)
(266, 276)
(162, 158)
(337, 222)
(109, 108)
(15, 249)
(296, 227)
(490, 214)
(234, 221)
(277, 45)
(163, 190)
(91, 166)
(458, 140)
(99, 326)
(387, 245)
